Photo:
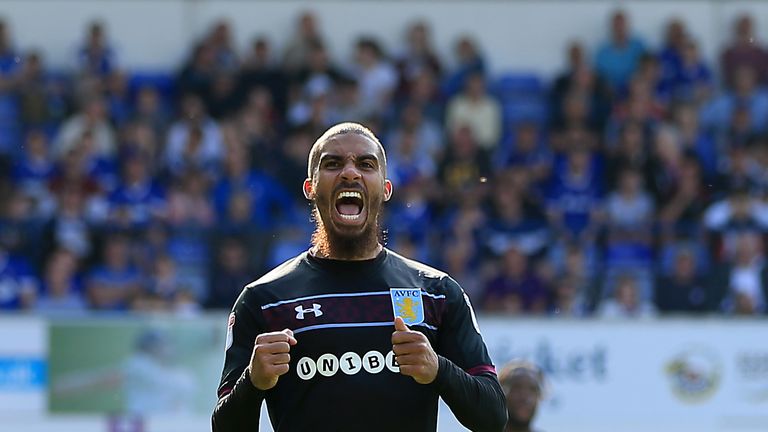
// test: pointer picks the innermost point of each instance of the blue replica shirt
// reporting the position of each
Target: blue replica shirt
(16, 278)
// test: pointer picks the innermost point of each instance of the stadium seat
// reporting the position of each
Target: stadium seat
(518, 85)
(163, 82)
(516, 111)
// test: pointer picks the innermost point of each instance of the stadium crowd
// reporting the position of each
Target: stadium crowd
(634, 183)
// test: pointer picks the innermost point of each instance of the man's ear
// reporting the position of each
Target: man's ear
(309, 192)
(388, 188)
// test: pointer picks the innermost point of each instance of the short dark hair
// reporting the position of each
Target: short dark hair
(342, 129)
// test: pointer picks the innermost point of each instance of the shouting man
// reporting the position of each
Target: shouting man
(349, 335)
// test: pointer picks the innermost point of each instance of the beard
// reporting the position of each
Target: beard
(328, 242)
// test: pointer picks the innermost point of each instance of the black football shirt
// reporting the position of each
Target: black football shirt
(343, 375)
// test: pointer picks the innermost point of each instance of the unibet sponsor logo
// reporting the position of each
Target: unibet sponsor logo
(349, 363)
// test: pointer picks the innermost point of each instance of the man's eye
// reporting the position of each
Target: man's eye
(331, 164)
(366, 165)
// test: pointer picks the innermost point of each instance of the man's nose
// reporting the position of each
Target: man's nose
(350, 172)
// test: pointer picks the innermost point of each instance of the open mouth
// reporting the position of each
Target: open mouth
(349, 206)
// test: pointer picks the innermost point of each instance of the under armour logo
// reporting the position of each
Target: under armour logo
(315, 309)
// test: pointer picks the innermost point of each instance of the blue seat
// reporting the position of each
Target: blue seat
(530, 109)
(10, 140)
(163, 82)
(9, 110)
(515, 85)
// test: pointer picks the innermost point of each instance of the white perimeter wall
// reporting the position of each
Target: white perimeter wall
(522, 35)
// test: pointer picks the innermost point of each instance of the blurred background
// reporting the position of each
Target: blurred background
(594, 174)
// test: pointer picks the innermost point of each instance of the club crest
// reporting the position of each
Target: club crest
(407, 304)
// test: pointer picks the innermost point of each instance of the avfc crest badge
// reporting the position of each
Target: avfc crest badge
(407, 304)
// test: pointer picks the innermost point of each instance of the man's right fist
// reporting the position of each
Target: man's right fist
(270, 358)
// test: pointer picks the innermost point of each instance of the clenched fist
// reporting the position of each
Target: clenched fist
(414, 353)
(270, 358)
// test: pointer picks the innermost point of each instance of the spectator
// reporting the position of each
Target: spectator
(319, 75)
(20, 226)
(255, 126)
(72, 171)
(475, 109)
(744, 51)
(224, 97)
(576, 266)
(738, 212)
(306, 34)
(458, 258)
(20, 286)
(469, 61)
(681, 211)
(194, 140)
(406, 162)
(630, 207)
(43, 100)
(220, 40)
(376, 77)
(165, 285)
(61, 292)
(617, 58)
(197, 74)
(139, 197)
(230, 274)
(579, 80)
(685, 290)
(417, 56)
(626, 301)
(260, 70)
(718, 112)
(575, 198)
(675, 39)
(745, 276)
(409, 216)
(32, 172)
(427, 134)
(8, 57)
(666, 162)
(695, 140)
(515, 288)
(567, 301)
(117, 97)
(150, 110)
(526, 150)
(523, 386)
(740, 171)
(68, 228)
(141, 138)
(514, 222)
(265, 196)
(462, 167)
(690, 79)
(348, 104)
(92, 119)
(96, 57)
(424, 93)
(188, 202)
(114, 281)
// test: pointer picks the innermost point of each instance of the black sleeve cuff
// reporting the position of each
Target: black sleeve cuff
(445, 370)
(245, 391)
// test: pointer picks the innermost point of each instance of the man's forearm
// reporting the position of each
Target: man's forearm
(238, 410)
(477, 401)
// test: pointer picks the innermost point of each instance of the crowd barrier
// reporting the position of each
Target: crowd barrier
(159, 373)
